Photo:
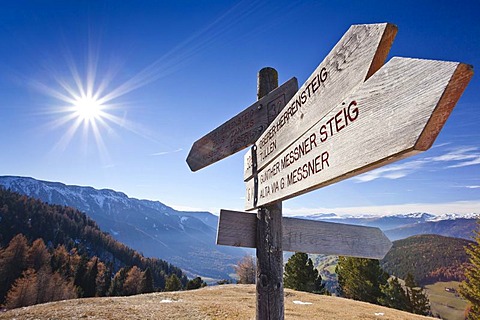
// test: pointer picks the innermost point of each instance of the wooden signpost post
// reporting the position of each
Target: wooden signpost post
(353, 114)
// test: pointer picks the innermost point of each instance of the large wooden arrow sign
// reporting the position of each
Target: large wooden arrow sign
(239, 229)
(396, 113)
(359, 54)
(242, 130)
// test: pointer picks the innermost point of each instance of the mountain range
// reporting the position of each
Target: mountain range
(402, 226)
(186, 239)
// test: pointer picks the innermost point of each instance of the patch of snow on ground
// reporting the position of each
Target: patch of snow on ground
(168, 301)
(300, 302)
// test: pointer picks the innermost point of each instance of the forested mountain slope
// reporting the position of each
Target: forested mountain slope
(430, 258)
(48, 241)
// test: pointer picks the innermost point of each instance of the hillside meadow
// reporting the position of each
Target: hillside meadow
(448, 304)
(218, 302)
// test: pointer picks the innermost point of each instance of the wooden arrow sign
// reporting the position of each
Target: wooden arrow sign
(239, 229)
(359, 54)
(396, 113)
(242, 130)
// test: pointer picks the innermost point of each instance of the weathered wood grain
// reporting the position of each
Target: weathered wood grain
(239, 229)
(269, 273)
(397, 113)
(242, 130)
(360, 52)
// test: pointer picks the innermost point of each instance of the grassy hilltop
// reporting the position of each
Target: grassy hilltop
(219, 302)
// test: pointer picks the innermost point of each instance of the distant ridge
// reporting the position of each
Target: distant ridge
(186, 239)
(400, 226)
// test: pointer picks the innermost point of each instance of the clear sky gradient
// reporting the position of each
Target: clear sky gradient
(168, 72)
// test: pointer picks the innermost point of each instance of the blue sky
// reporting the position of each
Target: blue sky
(168, 72)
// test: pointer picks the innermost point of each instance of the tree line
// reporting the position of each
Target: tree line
(358, 279)
(51, 252)
(365, 280)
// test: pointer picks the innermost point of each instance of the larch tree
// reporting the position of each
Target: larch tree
(38, 255)
(24, 291)
(133, 281)
(13, 261)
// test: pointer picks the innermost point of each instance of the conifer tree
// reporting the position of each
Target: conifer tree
(133, 281)
(39, 287)
(173, 283)
(196, 283)
(360, 279)
(418, 301)
(301, 275)
(61, 261)
(38, 255)
(394, 296)
(24, 291)
(470, 288)
(79, 275)
(13, 262)
(107, 279)
(117, 284)
(45, 285)
(89, 282)
(147, 282)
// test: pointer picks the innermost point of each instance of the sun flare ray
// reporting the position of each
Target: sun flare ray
(90, 93)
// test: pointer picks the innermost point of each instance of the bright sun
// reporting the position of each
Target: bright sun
(88, 108)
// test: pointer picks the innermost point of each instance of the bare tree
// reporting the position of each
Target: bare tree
(245, 270)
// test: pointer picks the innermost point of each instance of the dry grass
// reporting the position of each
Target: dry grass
(219, 302)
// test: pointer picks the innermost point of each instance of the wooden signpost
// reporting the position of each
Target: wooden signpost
(242, 130)
(353, 114)
(396, 113)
